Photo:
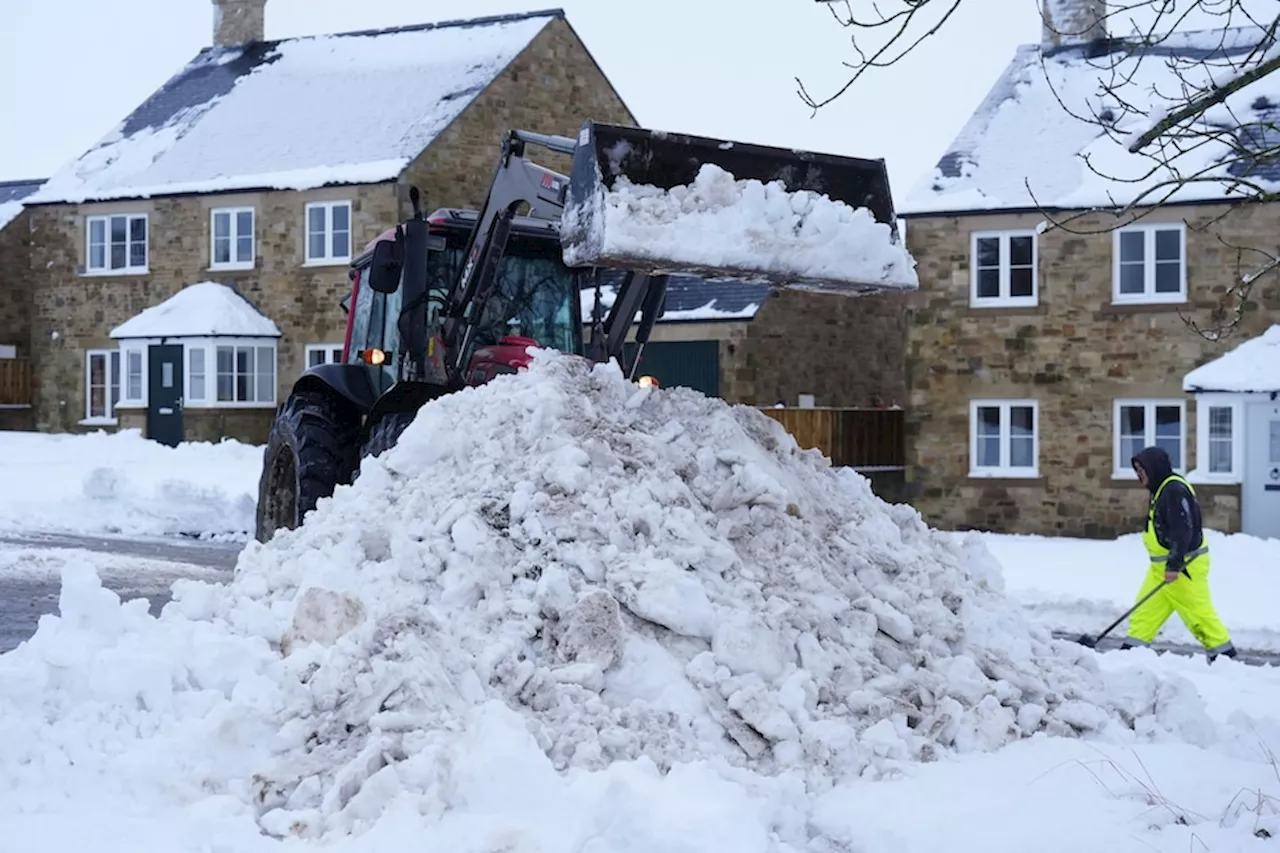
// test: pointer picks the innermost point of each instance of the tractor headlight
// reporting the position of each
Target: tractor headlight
(647, 382)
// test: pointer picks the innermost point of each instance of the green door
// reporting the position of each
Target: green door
(691, 364)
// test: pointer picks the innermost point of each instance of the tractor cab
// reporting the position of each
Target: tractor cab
(535, 300)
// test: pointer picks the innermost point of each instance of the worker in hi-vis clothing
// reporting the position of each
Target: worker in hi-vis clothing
(1179, 554)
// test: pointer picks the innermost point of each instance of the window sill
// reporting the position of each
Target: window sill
(232, 268)
(327, 262)
(99, 422)
(1203, 478)
(1013, 302)
(1004, 474)
(1147, 303)
(115, 273)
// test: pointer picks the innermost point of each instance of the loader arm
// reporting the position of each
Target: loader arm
(516, 182)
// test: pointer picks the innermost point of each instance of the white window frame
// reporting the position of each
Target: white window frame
(128, 268)
(212, 374)
(233, 216)
(1004, 300)
(1235, 404)
(328, 258)
(1004, 470)
(109, 418)
(190, 348)
(1122, 469)
(1149, 295)
(126, 351)
(332, 354)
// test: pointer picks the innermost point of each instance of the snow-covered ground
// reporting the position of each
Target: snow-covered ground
(614, 619)
(103, 483)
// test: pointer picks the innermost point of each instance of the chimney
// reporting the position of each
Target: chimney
(238, 22)
(1072, 22)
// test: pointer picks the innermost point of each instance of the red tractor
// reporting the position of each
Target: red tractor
(457, 297)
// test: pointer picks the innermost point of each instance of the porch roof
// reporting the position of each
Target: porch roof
(1253, 366)
(202, 310)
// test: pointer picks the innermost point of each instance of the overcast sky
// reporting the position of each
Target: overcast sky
(74, 68)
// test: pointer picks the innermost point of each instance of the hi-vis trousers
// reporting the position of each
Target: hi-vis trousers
(1189, 598)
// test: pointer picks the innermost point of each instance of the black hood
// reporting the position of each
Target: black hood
(1155, 461)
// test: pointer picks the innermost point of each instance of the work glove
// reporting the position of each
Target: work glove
(1174, 568)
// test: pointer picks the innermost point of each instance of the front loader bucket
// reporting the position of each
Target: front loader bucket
(661, 202)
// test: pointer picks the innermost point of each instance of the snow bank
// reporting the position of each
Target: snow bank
(122, 483)
(1251, 366)
(721, 226)
(203, 309)
(655, 594)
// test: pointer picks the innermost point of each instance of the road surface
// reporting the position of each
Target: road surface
(132, 568)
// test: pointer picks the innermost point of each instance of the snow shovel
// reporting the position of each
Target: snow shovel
(1092, 642)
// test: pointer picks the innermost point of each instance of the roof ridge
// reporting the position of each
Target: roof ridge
(486, 20)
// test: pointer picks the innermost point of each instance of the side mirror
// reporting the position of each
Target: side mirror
(384, 269)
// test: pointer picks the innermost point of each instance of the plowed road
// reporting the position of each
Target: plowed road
(132, 568)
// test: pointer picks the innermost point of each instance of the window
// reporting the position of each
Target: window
(1150, 264)
(133, 375)
(323, 354)
(1004, 438)
(1143, 423)
(117, 244)
(328, 232)
(246, 373)
(1218, 440)
(231, 238)
(102, 384)
(1003, 269)
(196, 374)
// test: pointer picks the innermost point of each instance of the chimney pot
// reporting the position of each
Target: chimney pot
(238, 22)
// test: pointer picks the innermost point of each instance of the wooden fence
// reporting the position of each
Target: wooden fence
(866, 439)
(15, 382)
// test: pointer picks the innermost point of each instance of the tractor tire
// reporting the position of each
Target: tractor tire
(384, 434)
(311, 450)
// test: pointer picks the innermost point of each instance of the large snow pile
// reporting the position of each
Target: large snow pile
(722, 226)
(122, 483)
(655, 593)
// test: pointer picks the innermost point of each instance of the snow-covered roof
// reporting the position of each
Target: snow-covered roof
(1022, 149)
(1252, 366)
(692, 299)
(206, 309)
(350, 108)
(12, 196)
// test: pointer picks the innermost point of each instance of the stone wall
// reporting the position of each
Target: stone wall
(846, 351)
(15, 284)
(75, 312)
(1075, 353)
(247, 425)
(551, 87)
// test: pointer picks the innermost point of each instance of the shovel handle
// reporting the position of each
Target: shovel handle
(1129, 612)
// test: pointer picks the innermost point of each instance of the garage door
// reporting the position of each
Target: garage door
(692, 364)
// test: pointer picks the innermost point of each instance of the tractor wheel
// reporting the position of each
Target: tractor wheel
(310, 451)
(386, 432)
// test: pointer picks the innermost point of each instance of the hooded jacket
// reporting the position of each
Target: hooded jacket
(1178, 525)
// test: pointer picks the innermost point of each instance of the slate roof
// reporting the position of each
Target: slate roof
(299, 113)
(691, 299)
(1021, 134)
(12, 196)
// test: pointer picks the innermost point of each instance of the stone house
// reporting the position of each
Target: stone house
(1048, 340)
(267, 166)
(15, 305)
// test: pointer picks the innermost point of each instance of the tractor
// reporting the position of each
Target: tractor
(454, 298)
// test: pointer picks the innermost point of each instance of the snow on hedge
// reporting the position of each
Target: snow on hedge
(722, 226)
(124, 484)
(600, 618)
